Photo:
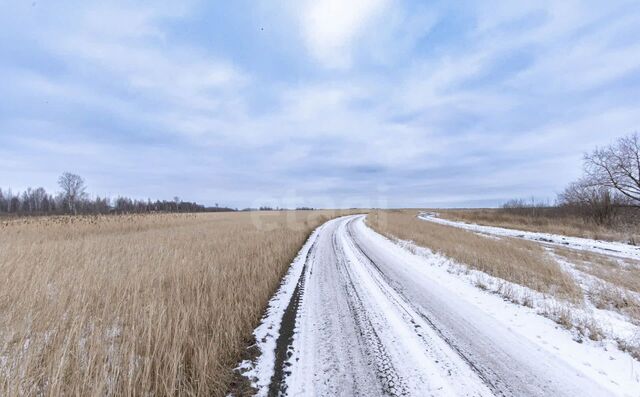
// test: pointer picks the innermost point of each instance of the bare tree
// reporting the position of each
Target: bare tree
(593, 201)
(73, 190)
(9, 200)
(617, 167)
(3, 202)
(38, 198)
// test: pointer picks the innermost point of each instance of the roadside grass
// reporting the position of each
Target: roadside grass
(518, 261)
(138, 305)
(609, 297)
(618, 281)
(622, 272)
(567, 225)
(505, 262)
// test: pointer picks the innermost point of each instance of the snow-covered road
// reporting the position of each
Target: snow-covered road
(611, 248)
(358, 315)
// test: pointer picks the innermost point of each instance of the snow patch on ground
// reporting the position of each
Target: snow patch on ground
(590, 319)
(587, 321)
(511, 317)
(617, 249)
(527, 313)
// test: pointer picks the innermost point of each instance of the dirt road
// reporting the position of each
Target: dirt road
(363, 320)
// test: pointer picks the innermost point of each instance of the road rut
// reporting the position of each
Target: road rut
(368, 324)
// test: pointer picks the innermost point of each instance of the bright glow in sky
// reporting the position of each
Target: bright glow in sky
(320, 103)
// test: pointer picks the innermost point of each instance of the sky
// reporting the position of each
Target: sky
(325, 103)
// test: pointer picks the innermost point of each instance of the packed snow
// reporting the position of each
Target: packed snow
(382, 317)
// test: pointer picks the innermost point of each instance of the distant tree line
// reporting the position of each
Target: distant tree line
(269, 208)
(608, 188)
(73, 199)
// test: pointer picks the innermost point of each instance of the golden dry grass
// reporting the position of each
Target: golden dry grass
(617, 280)
(620, 272)
(137, 305)
(567, 226)
(514, 260)
(527, 263)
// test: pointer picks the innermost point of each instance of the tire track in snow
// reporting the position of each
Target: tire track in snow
(490, 378)
(283, 351)
(392, 383)
(362, 322)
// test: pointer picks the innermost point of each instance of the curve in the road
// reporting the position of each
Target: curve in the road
(362, 322)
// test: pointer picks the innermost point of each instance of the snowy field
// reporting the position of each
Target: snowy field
(616, 249)
(359, 314)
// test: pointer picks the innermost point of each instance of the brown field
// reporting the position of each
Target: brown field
(527, 263)
(565, 225)
(621, 272)
(518, 261)
(618, 280)
(137, 305)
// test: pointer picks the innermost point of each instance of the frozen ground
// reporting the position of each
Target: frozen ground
(358, 314)
(620, 250)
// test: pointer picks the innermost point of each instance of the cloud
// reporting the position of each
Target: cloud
(117, 59)
(333, 27)
(339, 34)
(335, 103)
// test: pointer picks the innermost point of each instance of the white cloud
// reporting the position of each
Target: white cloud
(444, 114)
(333, 27)
(120, 62)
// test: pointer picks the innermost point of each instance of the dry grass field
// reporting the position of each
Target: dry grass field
(617, 281)
(137, 305)
(567, 225)
(578, 279)
(518, 261)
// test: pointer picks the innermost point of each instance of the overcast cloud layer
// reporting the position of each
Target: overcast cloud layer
(321, 103)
